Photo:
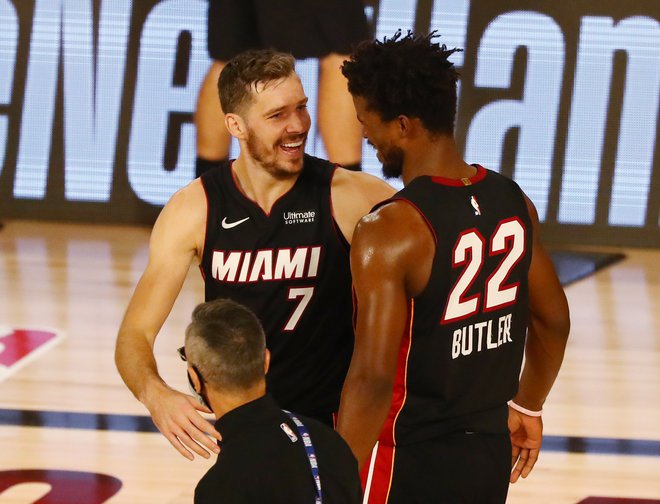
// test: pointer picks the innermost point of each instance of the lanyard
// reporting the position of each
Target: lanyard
(309, 448)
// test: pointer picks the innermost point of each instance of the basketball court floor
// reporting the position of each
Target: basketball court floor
(71, 432)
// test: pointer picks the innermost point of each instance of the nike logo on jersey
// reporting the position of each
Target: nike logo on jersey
(229, 225)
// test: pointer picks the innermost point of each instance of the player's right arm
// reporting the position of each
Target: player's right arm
(547, 335)
(177, 237)
(391, 259)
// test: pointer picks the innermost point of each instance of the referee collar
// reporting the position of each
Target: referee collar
(248, 416)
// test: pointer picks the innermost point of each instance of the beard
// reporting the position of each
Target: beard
(392, 159)
(267, 156)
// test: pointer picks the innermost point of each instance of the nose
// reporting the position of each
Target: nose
(299, 122)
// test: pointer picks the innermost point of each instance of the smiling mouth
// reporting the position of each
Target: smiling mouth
(292, 147)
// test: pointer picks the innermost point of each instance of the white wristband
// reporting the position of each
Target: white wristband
(525, 411)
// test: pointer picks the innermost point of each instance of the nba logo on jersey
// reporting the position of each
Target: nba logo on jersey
(20, 346)
(475, 205)
(287, 430)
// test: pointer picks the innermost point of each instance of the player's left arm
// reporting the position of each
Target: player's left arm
(390, 252)
(354, 194)
(547, 335)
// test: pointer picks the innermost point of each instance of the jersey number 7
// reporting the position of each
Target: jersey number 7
(305, 294)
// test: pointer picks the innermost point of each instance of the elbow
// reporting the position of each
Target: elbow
(562, 323)
(374, 386)
(556, 325)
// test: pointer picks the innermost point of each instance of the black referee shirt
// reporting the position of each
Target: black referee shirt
(260, 462)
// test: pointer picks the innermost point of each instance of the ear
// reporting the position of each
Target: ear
(235, 125)
(405, 126)
(194, 380)
(266, 361)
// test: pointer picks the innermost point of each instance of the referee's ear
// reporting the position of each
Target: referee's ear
(266, 361)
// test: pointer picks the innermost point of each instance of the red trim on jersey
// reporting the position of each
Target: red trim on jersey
(419, 211)
(240, 191)
(399, 391)
(377, 482)
(508, 246)
(376, 475)
(478, 177)
(465, 262)
(335, 225)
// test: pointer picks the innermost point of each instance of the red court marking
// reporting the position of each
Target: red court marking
(20, 345)
(67, 487)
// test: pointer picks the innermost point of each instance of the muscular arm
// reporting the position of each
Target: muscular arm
(354, 194)
(547, 335)
(391, 261)
(175, 240)
(548, 326)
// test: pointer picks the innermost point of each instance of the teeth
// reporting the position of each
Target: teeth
(292, 145)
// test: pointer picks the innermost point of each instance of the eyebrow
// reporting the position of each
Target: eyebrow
(279, 109)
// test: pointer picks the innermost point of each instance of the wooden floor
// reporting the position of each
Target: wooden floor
(75, 280)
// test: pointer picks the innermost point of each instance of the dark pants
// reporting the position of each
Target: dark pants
(456, 469)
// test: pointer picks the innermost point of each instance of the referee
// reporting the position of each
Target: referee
(266, 454)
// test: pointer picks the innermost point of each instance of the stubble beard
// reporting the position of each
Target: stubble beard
(267, 158)
(393, 162)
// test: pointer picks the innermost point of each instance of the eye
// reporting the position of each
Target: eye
(302, 107)
(276, 115)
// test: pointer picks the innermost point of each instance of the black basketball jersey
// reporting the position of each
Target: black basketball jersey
(291, 267)
(461, 353)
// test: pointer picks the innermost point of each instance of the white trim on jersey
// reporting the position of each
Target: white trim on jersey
(372, 464)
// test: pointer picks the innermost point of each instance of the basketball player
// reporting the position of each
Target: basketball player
(270, 230)
(325, 30)
(450, 275)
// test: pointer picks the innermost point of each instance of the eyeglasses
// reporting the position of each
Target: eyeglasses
(182, 355)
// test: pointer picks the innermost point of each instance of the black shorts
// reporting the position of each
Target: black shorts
(304, 28)
(456, 469)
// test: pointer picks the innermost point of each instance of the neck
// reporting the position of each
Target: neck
(224, 401)
(258, 184)
(436, 156)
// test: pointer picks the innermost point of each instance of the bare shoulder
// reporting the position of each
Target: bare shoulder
(190, 199)
(531, 210)
(182, 220)
(366, 187)
(354, 194)
(394, 229)
(394, 241)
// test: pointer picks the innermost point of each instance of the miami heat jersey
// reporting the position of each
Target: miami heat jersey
(461, 353)
(291, 267)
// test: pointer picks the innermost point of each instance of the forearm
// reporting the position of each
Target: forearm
(136, 364)
(362, 413)
(544, 353)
